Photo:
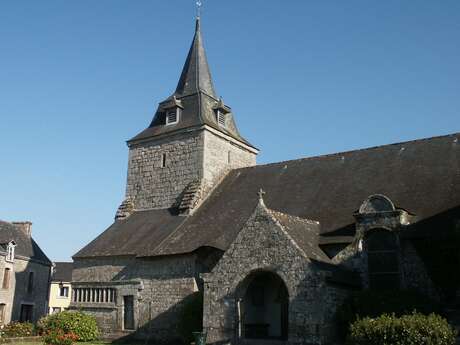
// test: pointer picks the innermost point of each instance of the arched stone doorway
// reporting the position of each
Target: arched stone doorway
(263, 307)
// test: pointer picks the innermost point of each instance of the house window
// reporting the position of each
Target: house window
(229, 157)
(10, 251)
(383, 260)
(6, 278)
(220, 117)
(2, 313)
(63, 291)
(172, 116)
(55, 310)
(30, 282)
(163, 160)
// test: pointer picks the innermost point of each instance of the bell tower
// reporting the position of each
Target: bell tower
(190, 145)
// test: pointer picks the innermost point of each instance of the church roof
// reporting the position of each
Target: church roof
(421, 176)
(142, 231)
(62, 272)
(196, 97)
(25, 245)
(304, 232)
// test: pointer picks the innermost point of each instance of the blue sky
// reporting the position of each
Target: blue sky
(78, 78)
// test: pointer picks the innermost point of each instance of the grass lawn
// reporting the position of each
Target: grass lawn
(40, 343)
(97, 342)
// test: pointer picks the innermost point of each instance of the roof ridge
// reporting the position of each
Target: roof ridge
(328, 155)
(307, 220)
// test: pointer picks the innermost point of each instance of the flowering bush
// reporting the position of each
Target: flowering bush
(18, 329)
(414, 329)
(58, 337)
(83, 325)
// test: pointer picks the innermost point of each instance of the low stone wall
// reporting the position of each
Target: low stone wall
(35, 339)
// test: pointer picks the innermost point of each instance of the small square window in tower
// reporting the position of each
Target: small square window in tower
(220, 117)
(172, 116)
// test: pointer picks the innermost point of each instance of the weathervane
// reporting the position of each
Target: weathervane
(198, 8)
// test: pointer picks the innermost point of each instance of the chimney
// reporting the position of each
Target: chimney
(25, 227)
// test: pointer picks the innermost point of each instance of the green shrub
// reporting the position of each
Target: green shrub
(18, 329)
(191, 318)
(415, 329)
(84, 326)
(40, 325)
(372, 303)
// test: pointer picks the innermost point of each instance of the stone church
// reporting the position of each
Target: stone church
(274, 248)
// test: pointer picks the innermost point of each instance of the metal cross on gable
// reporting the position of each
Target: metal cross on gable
(261, 193)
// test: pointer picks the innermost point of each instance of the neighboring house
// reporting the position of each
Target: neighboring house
(25, 273)
(273, 266)
(60, 287)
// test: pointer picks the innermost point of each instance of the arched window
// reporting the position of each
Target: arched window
(383, 259)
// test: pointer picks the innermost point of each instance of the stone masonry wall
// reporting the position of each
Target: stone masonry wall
(190, 156)
(152, 186)
(221, 156)
(7, 295)
(38, 297)
(17, 292)
(262, 245)
(99, 269)
(159, 286)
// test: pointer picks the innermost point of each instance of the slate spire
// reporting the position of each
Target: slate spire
(195, 76)
(195, 98)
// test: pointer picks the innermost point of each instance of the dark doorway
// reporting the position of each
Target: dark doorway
(128, 312)
(26, 313)
(265, 307)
